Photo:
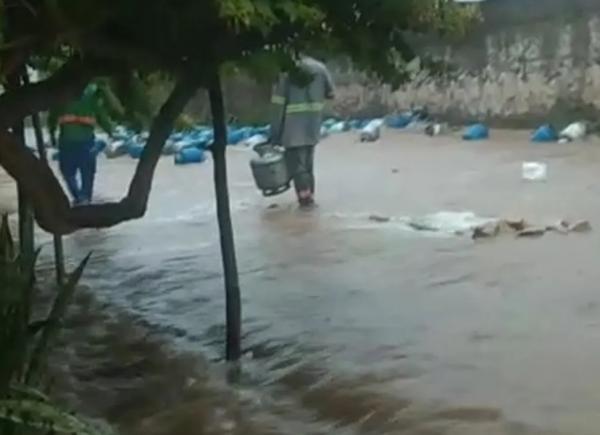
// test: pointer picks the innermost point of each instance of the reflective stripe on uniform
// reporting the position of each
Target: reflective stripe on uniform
(304, 107)
(276, 99)
(76, 119)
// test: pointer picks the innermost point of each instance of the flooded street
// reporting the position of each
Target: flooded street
(360, 327)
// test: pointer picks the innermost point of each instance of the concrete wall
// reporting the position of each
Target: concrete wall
(531, 60)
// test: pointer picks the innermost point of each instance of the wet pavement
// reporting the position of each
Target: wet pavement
(359, 327)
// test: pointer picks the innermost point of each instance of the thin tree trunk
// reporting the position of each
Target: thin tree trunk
(26, 224)
(230, 271)
(59, 256)
(25, 211)
(59, 259)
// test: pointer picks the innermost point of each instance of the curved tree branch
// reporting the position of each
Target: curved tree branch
(61, 87)
(52, 209)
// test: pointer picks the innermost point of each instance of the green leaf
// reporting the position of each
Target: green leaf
(7, 244)
(44, 416)
(35, 327)
(57, 313)
(24, 392)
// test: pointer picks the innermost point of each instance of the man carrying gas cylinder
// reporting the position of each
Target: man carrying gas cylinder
(298, 102)
(76, 141)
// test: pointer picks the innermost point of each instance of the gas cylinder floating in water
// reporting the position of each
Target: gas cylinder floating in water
(116, 148)
(477, 132)
(99, 146)
(546, 133)
(372, 131)
(269, 170)
(189, 155)
(575, 131)
(135, 149)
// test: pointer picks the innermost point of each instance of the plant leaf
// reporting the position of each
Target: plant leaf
(21, 392)
(44, 416)
(57, 313)
(7, 244)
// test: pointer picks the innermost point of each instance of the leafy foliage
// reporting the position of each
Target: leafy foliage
(25, 342)
(44, 416)
(197, 33)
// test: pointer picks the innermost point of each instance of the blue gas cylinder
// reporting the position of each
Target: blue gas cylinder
(189, 155)
(477, 132)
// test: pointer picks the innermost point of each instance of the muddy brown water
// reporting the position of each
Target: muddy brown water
(359, 327)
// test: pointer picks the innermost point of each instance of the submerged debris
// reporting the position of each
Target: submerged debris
(521, 228)
(532, 232)
(580, 227)
(379, 218)
(477, 227)
(485, 231)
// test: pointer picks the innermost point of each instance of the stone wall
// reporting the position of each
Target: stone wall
(531, 60)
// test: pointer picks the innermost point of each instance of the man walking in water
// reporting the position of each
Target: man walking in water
(298, 104)
(76, 142)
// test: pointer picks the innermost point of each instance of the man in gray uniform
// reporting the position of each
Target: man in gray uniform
(297, 115)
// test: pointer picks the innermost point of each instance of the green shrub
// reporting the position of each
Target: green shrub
(24, 346)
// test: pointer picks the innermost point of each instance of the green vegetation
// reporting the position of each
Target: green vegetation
(26, 343)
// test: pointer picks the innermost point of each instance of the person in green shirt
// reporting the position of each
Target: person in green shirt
(76, 124)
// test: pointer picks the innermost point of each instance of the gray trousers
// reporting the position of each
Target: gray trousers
(300, 163)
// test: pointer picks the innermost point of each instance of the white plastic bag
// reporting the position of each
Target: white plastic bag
(534, 171)
(575, 131)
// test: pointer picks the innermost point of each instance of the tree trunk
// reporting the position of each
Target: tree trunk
(25, 211)
(59, 259)
(230, 272)
(26, 224)
(59, 256)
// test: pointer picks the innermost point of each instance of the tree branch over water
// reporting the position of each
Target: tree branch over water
(52, 209)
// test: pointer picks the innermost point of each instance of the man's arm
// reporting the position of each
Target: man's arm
(329, 85)
(103, 119)
(278, 107)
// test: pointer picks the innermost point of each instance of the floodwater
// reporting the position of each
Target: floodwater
(360, 327)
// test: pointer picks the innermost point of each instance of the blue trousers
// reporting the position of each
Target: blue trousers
(78, 159)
